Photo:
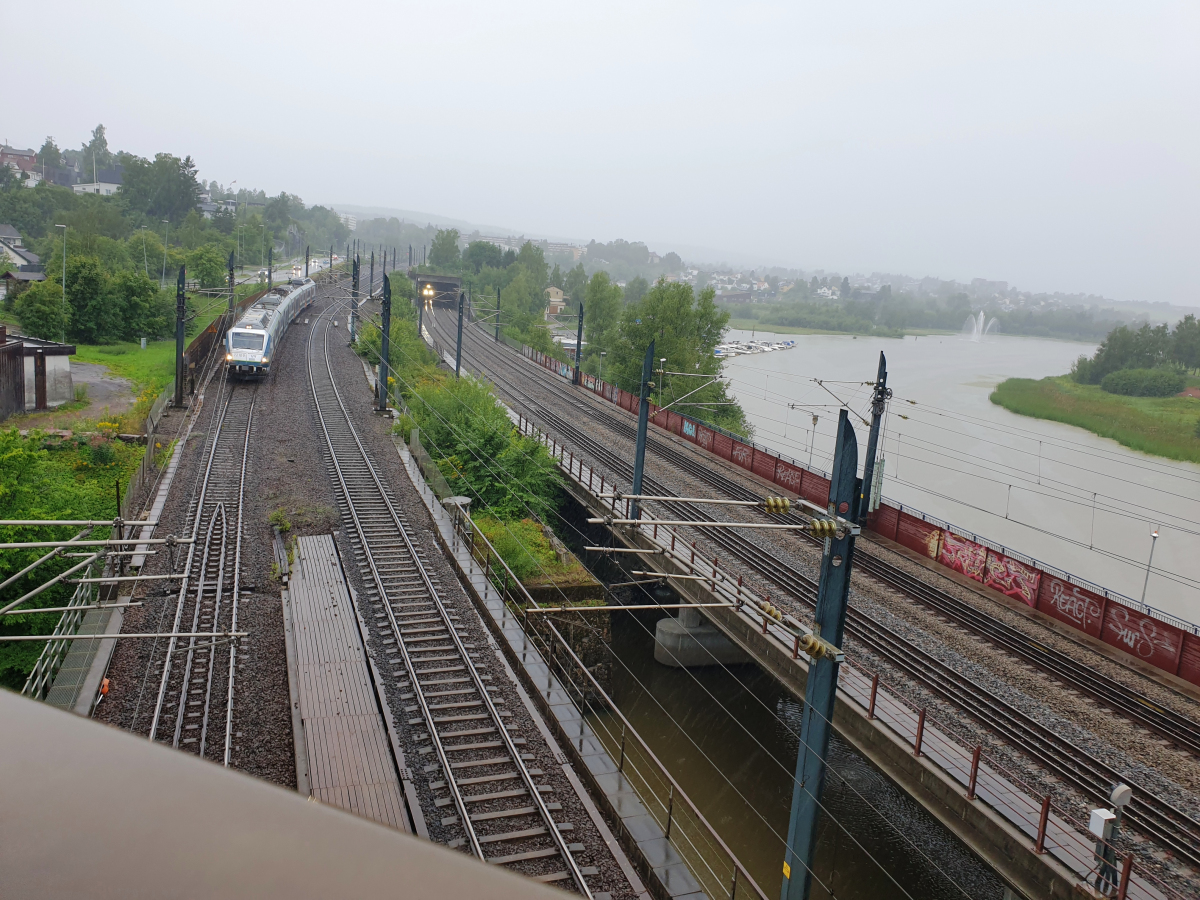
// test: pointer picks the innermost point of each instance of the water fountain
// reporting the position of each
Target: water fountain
(975, 330)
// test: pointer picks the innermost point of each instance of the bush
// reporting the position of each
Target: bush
(1143, 382)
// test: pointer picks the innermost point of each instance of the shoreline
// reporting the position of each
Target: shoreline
(1166, 427)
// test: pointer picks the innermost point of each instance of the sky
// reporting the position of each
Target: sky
(1053, 146)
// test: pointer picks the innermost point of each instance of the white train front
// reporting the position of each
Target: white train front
(253, 341)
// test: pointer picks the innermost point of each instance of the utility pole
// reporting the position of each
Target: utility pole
(306, 248)
(410, 256)
(867, 498)
(232, 294)
(458, 349)
(579, 346)
(371, 283)
(353, 299)
(270, 268)
(180, 319)
(385, 349)
(639, 457)
(393, 259)
(833, 593)
(331, 262)
(497, 340)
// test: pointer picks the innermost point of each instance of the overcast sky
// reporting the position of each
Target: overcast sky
(1050, 145)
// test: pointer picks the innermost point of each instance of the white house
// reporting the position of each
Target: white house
(103, 188)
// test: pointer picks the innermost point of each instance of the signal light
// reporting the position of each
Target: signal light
(779, 505)
(823, 527)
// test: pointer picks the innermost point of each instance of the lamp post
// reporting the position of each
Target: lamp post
(163, 281)
(64, 284)
(1153, 541)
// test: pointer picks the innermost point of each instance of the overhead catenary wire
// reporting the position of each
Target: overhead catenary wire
(451, 428)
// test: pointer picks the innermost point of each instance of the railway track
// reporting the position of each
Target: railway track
(208, 594)
(1120, 698)
(1162, 822)
(484, 791)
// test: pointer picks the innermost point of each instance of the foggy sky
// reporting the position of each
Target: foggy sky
(1052, 148)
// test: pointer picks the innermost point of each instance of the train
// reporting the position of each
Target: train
(439, 290)
(254, 339)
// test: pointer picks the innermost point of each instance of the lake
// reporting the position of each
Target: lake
(1060, 494)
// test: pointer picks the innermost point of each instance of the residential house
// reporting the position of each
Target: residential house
(107, 182)
(556, 302)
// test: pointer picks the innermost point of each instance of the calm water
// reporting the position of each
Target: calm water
(729, 736)
(1060, 494)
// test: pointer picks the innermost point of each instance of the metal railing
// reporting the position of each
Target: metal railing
(711, 861)
(41, 678)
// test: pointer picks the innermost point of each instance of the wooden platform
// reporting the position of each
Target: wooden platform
(345, 747)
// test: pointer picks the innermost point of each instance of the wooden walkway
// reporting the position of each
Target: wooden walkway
(345, 743)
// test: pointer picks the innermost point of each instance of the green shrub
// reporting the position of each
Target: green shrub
(1143, 382)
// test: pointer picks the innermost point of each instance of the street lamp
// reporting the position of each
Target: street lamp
(1153, 541)
(64, 284)
(603, 353)
(162, 283)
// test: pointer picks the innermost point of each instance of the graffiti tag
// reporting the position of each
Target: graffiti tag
(1141, 636)
(1075, 606)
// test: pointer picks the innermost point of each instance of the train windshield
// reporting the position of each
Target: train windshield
(245, 340)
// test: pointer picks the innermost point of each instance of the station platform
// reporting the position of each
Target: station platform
(342, 745)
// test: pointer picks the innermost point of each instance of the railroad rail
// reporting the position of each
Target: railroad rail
(490, 794)
(1157, 819)
(209, 591)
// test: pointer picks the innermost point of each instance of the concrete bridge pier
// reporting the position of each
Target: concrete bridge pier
(689, 642)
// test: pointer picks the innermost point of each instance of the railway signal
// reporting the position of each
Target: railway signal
(833, 594)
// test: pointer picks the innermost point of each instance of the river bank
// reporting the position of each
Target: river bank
(1161, 426)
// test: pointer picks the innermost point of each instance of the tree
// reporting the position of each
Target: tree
(163, 189)
(533, 261)
(480, 254)
(40, 311)
(556, 277)
(95, 152)
(636, 289)
(49, 155)
(444, 252)
(145, 312)
(207, 264)
(575, 283)
(844, 290)
(1185, 342)
(94, 316)
(602, 312)
(673, 262)
(686, 329)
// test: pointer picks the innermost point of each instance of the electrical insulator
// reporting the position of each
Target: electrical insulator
(823, 527)
(812, 645)
(778, 505)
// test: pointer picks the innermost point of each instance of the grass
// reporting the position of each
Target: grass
(50, 478)
(1161, 426)
(528, 552)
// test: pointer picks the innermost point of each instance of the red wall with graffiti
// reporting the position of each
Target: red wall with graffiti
(1152, 640)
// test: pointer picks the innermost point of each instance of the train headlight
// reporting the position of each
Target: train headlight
(228, 357)
(264, 359)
